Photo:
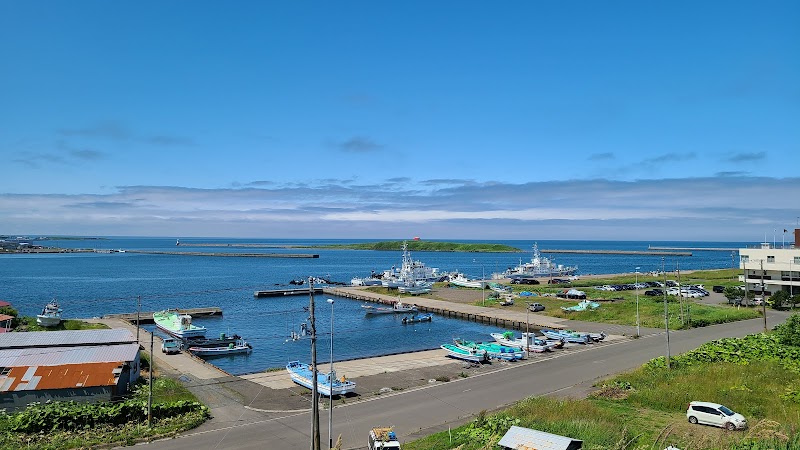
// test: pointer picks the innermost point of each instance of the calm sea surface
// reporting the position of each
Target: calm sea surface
(94, 284)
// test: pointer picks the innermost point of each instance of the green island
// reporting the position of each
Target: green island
(428, 246)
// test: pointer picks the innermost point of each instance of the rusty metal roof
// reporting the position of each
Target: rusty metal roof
(66, 338)
(56, 356)
(519, 438)
(31, 378)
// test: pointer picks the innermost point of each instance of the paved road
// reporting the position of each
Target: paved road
(422, 411)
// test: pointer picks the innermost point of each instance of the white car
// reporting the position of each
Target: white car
(715, 414)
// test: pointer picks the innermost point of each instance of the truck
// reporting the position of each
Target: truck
(383, 438)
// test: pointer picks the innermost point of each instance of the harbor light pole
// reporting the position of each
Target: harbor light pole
(330, 380)
(315, 445)
(638, 333)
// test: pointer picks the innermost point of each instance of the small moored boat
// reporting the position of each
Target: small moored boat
(50, 316)
(527, 342)
(427, 317)
(240, 346)
(573, 336)
(178, 325)
(327, 383)
(398, 307)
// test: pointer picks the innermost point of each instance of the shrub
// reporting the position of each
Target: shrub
(788, 333)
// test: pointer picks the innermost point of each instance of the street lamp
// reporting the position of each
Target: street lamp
(637, 304)
(330, 381)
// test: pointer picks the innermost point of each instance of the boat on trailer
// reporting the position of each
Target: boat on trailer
(474, 355)
(493, 350)
(573, 336)
(50, 316)
(327, 383)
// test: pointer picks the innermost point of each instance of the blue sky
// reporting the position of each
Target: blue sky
(469, 120)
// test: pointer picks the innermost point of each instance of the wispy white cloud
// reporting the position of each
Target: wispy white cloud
(329, 208)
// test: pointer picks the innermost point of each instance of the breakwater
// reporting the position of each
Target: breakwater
(698, 249)
(241, 255)
(619, 252)
(443, 312)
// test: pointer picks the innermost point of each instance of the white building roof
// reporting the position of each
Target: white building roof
(65, 338)
(56, 356)
(525, 438)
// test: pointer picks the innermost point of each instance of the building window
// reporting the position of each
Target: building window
(770, 259)
(5, 371)
(746, 258)
(797, 259)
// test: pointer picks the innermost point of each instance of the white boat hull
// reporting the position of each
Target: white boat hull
(47, 321)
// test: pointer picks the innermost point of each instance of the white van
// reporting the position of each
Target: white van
(715, 414)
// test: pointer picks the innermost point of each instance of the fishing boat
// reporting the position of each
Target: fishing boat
(528, 342)
(461, 280)
(222, 341)
(303, 375)
(239, 346)
(418, 318)
(571, 336)
(50, 316)
(397, 307)
(539, 267)
(493, 350)
(474, 355)
(178, 325)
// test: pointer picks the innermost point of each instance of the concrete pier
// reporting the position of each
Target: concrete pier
(282, 292)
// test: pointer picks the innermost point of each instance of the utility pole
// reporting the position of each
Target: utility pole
(150, 395)
(666, 311)
(763, 297)
(315, 443)
(680, 288)
(138, 311)
(638, 333)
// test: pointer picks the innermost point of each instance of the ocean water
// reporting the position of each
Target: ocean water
(95, 284)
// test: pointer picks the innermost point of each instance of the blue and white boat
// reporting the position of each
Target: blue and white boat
(573, 336)
(327, 383)
(426, 317)
(474, 355)
(493, 350)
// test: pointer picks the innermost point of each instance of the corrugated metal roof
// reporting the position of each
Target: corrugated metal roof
(56, 356)
(519, 438)
(31, 378)
(66, 338)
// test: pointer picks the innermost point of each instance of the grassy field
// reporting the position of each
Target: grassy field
(619, 307)
(646, 408)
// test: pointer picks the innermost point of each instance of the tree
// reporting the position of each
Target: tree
(733, 294)
(789, 332)
(779, 299)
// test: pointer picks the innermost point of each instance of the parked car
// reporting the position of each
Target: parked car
(535, 307)
(715, 414)
(654, 292)
(524, 281)
(718, 289)
(557, 281)
(169, 346)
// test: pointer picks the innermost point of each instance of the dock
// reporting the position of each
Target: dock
(622, 252)
(282, 292)
(697, 249)
(241, 255)
(147, 316)
(498, 318)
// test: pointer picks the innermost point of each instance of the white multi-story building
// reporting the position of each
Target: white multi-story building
(769, 269)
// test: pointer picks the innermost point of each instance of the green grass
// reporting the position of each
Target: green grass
(29, 324)
(652, 413)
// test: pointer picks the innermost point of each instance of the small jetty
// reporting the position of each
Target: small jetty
(282, 292)
(621, 252)
(147, 316)
(241, 255)
(697, 249)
